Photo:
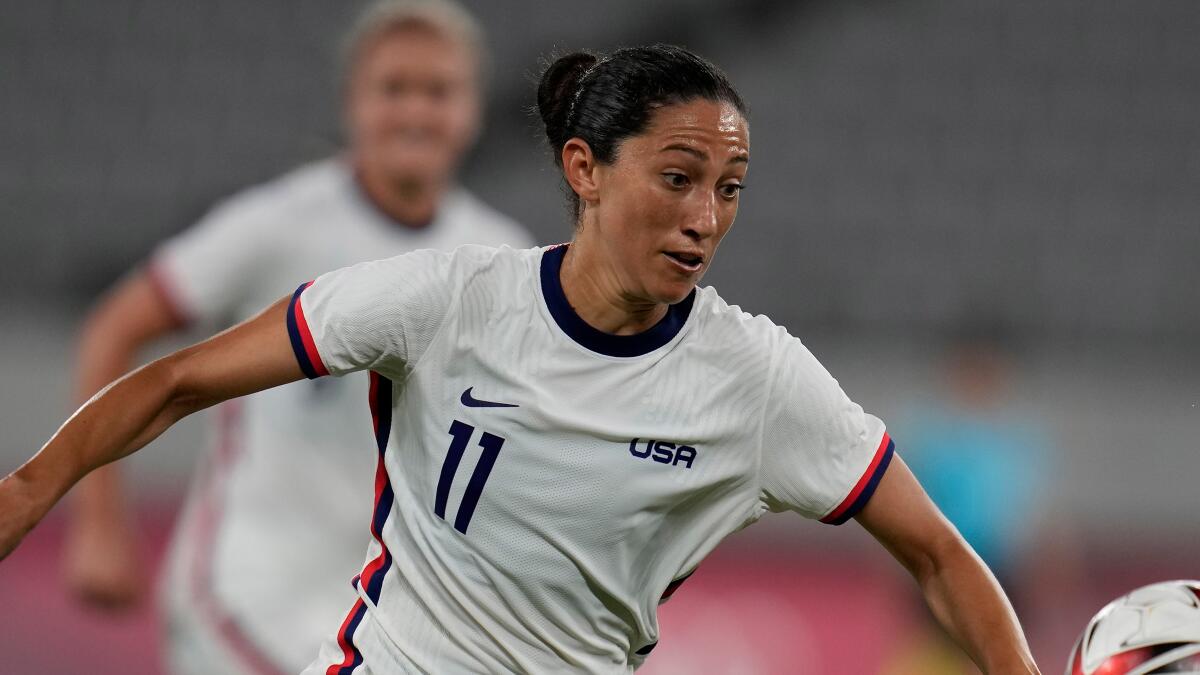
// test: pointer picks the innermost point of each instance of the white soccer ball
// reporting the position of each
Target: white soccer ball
(1155, 629)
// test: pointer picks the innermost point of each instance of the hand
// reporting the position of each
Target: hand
(102, 563)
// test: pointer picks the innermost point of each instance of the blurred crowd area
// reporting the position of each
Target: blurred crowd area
(983, 217)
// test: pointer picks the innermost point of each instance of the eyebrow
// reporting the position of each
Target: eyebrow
(700, 154)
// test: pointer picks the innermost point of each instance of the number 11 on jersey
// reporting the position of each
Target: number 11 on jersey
(460, 435)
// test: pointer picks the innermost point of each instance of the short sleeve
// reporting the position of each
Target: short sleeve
(379, 315)
(822, 456)
(205, 272)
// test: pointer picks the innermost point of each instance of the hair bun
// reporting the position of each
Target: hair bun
(556, 91)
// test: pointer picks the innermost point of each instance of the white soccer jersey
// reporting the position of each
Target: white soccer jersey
(542, 485)
(275, 522)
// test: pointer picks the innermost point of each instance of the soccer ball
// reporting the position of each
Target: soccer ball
(1155, 629)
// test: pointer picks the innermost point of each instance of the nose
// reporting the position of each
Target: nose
(413, 107)
(702, 222)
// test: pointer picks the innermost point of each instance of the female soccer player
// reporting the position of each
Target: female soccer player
(283, 480)
(563, 433)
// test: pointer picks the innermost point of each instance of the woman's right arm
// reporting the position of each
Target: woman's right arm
(132, 411)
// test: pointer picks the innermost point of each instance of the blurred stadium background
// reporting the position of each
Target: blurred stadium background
(917, 165)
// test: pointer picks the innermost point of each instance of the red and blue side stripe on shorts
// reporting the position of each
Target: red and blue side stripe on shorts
(371, 578)
(865, 487)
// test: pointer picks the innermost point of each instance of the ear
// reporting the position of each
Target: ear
(580, 169)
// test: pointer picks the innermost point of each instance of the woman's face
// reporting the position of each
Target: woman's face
(664, 204)
(412, 105)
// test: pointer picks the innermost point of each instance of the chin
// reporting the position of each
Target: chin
(675, 293)
(415, 162)
(408, 172)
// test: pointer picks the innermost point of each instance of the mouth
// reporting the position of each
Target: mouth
(690, 262)
(413, 137)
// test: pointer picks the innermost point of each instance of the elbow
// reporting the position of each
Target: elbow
(944, 551)
(180, 397)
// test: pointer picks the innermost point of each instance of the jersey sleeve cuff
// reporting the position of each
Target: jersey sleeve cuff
(301, 337)
(865, 487)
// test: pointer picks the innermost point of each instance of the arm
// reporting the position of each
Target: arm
(100, 554)
(132, 411)
(959, 589)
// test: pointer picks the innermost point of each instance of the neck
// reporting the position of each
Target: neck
(408, 201)
(593, 289)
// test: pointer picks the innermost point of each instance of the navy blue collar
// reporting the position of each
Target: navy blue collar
(596, 340)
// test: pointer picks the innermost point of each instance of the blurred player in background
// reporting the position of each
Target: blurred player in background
(274, 525)
(990, 469)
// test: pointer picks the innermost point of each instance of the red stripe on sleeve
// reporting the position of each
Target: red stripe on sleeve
(310, 346)
(862, 482)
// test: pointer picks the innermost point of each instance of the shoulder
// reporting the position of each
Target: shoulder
(749, 338)
(723, 323)
(424, 287)
(312, 181)
(294, 192)
(487, 224)
(458, 266)
(493, 266)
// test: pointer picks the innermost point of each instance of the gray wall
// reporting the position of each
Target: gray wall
(912, 160)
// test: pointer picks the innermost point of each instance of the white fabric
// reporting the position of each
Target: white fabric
(283, 496)
(574, 538)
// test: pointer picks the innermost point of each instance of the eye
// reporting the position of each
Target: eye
(731, 190)
(392, 88)
(438, 91)
(676, 180)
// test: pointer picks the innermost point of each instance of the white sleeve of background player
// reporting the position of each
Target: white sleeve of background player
(378, 315)
(205, 272)
(822, 456)
(519, 237)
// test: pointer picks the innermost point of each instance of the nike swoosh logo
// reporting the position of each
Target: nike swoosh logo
(472, 402)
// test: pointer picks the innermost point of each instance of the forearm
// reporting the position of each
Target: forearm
(132, 411)
(120, 419)
(958, 587)
(971, 606)
(128, 318)
(105, 353)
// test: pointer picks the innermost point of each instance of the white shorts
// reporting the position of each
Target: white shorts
(193, 648)
(200, 637)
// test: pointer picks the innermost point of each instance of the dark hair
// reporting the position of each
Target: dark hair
(606, 99)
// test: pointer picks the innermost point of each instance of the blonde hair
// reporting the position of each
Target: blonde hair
(444, 17)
